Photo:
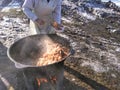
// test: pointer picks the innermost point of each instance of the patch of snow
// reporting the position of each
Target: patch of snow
(88, 16)
(98, 9)
(113, 30)
(117, 49)
(73, 79)
(113, 75)
(73, 44)
(112, 63)
(117, 2)
(68, 20)
(79, 10)
(4, 23)
(96, 66)
(9, 11)
(14, 4)
(8, 21)
(69, 3)
(112, 59)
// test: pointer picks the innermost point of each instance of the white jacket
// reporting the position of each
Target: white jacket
(38, 8)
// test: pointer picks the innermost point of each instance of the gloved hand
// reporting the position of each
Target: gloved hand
(58, 27)
(39, 22)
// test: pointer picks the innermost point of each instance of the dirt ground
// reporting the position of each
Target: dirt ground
(95, 65)
(76, 76)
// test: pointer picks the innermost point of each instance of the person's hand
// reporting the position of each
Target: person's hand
(39, 22)
(58, 27)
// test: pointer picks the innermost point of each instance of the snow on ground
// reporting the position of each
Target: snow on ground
(117, 2)
(12, 29)
(68, 20)
(96, 66)
(97, 9)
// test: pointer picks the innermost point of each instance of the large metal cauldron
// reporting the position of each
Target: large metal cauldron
(20, 54)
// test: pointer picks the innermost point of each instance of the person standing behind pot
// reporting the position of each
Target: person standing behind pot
(44, 15)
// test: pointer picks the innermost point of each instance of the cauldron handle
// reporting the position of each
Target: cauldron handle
(18, 65)
(72, 52)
